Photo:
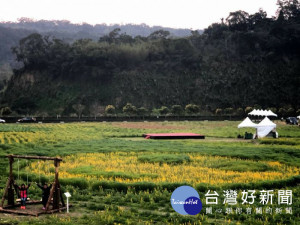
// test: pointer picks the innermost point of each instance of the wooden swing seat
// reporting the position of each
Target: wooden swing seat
(28, 199)
(19, 200)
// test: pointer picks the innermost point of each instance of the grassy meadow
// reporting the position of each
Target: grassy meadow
(117, 177)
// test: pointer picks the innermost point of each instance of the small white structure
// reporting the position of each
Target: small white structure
(68, 195)
(262, 129)
(260, 112)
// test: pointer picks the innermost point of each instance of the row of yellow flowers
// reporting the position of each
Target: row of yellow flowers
(16, 137)
(125, 167)
(50, 133)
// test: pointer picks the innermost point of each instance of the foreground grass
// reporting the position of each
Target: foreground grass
(115, 176)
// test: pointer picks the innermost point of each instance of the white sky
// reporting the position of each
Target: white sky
(195, 14)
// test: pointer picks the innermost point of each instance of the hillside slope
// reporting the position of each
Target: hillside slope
(241, 63)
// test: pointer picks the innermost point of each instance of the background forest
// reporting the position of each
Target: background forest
(244, 60)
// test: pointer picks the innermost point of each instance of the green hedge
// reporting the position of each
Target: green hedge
(75, 182)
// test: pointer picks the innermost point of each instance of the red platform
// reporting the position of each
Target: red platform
(174, 136)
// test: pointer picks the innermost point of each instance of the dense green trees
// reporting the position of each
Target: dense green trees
(242, 61)
(288, 10)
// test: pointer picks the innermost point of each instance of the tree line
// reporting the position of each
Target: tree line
(246, 59)
(131, 110)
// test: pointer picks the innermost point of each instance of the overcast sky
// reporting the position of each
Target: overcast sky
(195, 14)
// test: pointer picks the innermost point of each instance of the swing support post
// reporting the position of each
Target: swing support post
(55, 192)
(11, 197)
(9, 190)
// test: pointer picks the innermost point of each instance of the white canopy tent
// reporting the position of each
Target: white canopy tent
(253, 112)
(262, 129)
(247, 123)
(260, 112)
(265, 127)
(271, 113)
(266, 122)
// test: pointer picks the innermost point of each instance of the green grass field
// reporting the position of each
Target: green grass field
(117, 177)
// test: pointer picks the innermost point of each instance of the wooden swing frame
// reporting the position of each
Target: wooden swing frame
(55, 193)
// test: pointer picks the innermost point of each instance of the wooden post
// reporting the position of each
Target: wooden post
(50, 196)
(61, 197)
(11, 161)
(5, 192)
(56, 194)
(10, 193)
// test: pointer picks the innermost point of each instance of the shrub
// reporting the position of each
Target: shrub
(248, 109)
(155, 112)
(219, 111)
(143, 186)
(256, 106)
(290, 111)
(229, 111)
(163, 110)
(202, 187)
(241, 166)
(5, 146)
(164, 158)
(92, 206)
(240, 111)
(192, 109)
(282, 112)
(172, 186)
(5, 111)
(273, 109)
(129, 109)
(109, 185)
(75, 182)
(110, 109)
(177, 109)
(138, 186)
(142, 111)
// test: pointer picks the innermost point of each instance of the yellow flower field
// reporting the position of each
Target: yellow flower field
(126, 168)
